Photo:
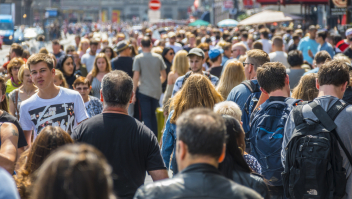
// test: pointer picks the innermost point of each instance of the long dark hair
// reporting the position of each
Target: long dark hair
(234, 159)
(113, 53)
(49, 139)
(165, 51)
(60, 64)
(3, 105)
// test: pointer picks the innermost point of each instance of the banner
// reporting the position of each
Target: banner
(115, 16)
(103, 16)
(338, 7)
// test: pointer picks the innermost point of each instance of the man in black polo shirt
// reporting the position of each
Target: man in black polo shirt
(129, 146)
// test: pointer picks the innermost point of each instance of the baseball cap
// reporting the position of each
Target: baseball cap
(215, 52)
(196, 51)
(348, 32)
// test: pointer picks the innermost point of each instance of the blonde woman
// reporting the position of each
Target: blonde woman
(13, 67)
(198, 91)
(59, 79)
(100, 68)
(179, 68)
(24, 92)
(232, 76)
(83, 46)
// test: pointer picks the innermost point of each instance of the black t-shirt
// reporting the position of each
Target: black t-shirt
(348, 53)
(128, 145)
(124, 64)
(292, 47)
(6, 117)
(216, 71)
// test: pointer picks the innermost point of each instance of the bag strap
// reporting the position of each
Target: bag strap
(16, 102)
(251, 86)
(297, 113)
(329, 123)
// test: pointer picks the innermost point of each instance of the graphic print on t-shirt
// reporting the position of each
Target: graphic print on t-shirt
(61, 115)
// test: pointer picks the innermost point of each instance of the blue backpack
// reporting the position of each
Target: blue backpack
(266, 136)
(249, 106)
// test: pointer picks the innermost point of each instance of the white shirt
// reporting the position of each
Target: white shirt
(266, 45)
(177, 47)
(65, 110)
(279, 56)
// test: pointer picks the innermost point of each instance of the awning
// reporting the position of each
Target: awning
(268, 16)
(275, 2)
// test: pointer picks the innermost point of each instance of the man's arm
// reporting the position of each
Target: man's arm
(8, 150)
(162, 76)
(159, 174)
(135, 84)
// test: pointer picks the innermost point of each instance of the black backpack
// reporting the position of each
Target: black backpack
(313, 165)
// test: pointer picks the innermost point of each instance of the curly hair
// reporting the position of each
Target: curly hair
(196, 92)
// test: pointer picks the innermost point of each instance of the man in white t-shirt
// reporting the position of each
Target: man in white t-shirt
(52, 105)
(264, 39)
(278, 55)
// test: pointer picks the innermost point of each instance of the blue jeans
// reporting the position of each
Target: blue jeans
(148, 108)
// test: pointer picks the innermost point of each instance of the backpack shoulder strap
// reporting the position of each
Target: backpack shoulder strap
(336, 109)
(251, 86)
(297, 114)
(329, 123)
(323, 116)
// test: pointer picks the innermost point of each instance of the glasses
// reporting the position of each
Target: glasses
(244, 63)
(69, 51)
(205, 50)
(171, 53)
(82, 89)
(16, 68)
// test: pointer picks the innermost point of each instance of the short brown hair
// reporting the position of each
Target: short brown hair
(257, 57)
(81, 80)
(40, 57)
(93, 41)
(55, 42)
(257, 45)
(335, 72)
(321, 57)
(17, 49)
(264, 32)
(271, 76)
(278, 42)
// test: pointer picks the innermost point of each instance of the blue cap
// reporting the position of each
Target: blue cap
(215, 52)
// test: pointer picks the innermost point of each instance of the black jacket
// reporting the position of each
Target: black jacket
(253, 181)
(196, 181)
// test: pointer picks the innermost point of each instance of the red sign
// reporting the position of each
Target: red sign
(228, 4)
(154, 5)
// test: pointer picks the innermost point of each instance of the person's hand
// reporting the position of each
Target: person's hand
(310, 53)
(134, 99)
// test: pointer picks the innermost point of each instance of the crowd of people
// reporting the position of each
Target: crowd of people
(247, 112)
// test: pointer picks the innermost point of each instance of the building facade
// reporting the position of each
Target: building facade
(109, 10)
